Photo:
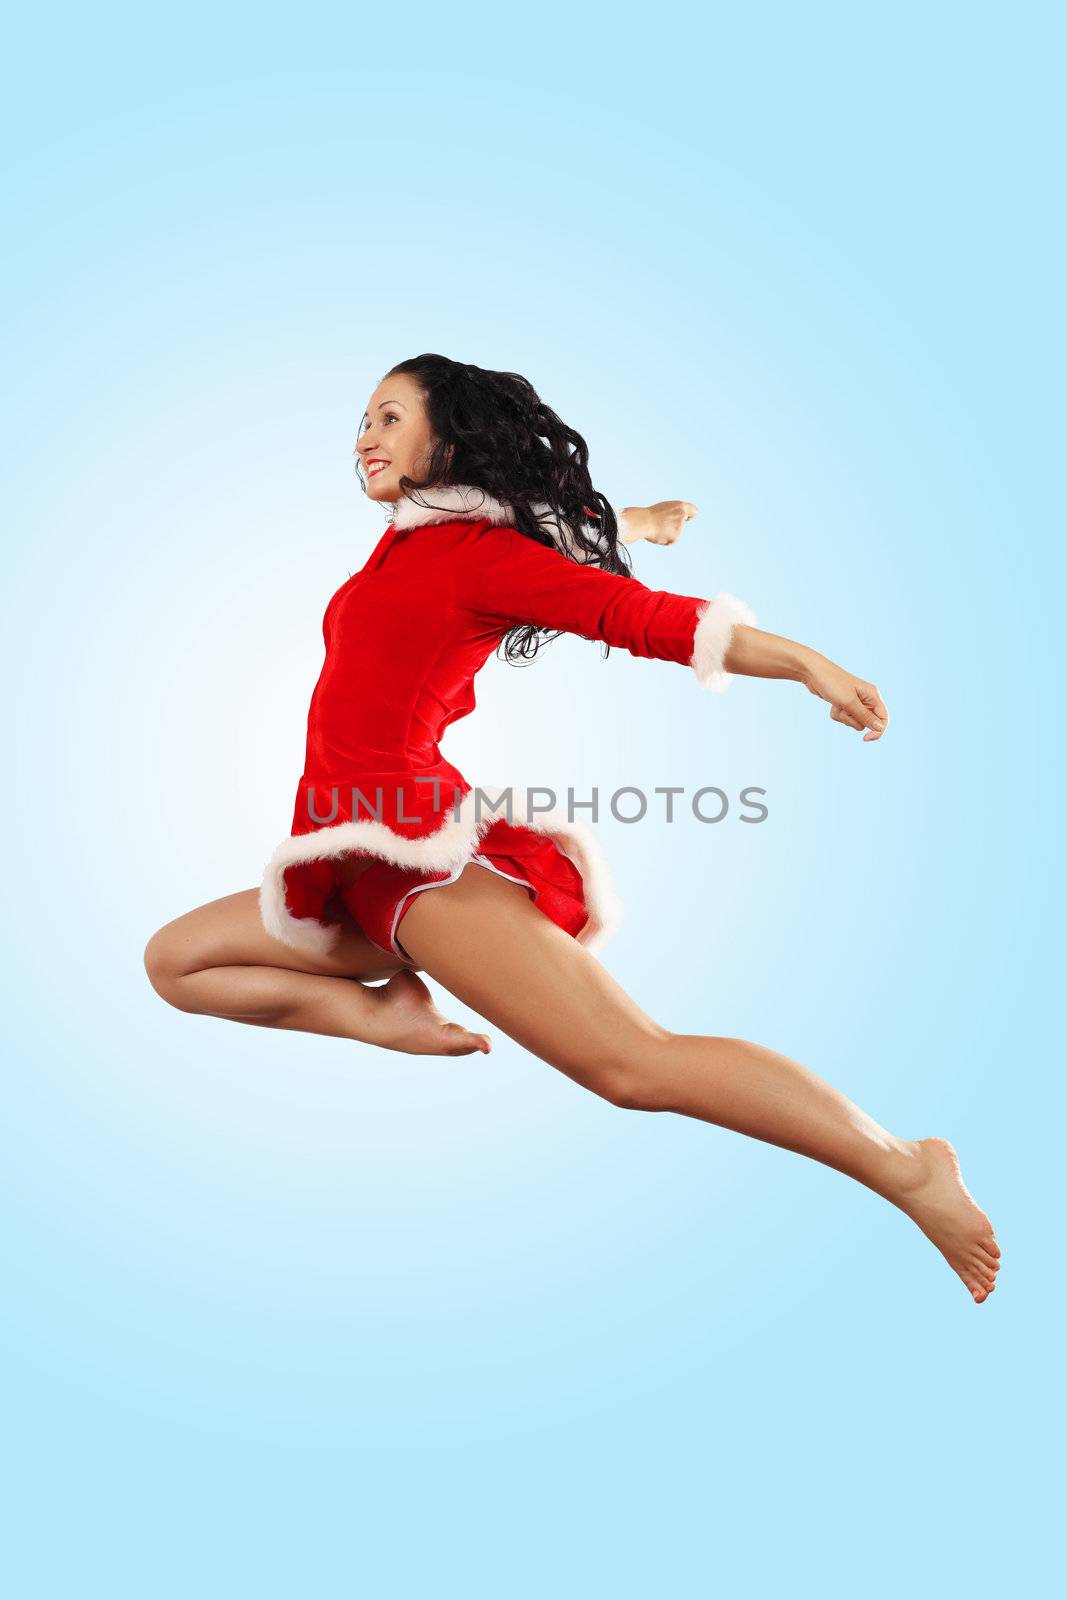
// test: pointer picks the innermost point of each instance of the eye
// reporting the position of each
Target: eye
(391, 416)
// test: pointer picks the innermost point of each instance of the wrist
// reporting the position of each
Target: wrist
(631, 523)
(803, 663)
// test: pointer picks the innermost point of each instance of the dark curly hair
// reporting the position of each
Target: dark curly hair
(491, 431)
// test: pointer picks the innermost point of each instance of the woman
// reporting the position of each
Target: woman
(499, 536)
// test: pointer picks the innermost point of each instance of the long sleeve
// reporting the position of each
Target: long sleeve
(513, 580)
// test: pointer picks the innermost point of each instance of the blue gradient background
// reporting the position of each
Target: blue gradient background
(287, 1316)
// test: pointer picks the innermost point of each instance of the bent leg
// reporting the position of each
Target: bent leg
(219, 961)
(486, 942)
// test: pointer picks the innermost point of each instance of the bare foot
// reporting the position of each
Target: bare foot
(938, 1201)
(409, 1021)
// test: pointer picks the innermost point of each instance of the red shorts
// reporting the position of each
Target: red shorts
(382, 893)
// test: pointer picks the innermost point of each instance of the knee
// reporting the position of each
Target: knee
(164, 968)
(635, 1077)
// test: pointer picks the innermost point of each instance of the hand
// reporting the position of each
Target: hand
(658, 524)
(852, 700)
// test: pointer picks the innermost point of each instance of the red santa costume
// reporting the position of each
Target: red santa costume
(405, 637)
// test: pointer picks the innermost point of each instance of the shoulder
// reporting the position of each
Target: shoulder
(491, 543)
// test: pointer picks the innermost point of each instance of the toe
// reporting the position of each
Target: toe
(974, 1278)
(464, 1042)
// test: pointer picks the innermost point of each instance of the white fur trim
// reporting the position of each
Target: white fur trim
(461, 502)
(449, 502)
(580, 844)
(447, 849)
(716, 619)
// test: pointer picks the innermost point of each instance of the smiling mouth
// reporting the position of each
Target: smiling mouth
(374, 467)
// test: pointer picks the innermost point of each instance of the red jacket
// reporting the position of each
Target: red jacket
(405, 638)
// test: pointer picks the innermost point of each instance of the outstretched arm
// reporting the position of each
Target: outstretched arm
(510, 580)
(853, 701)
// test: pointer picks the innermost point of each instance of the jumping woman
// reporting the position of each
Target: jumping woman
(395, 865)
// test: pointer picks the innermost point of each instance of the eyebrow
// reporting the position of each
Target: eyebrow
(382, 403)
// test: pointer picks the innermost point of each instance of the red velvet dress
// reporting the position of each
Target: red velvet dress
(405, 637)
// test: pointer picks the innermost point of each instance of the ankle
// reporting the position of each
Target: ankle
(906, 1169)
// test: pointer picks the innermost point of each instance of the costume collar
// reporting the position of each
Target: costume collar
(449, 502)
(455, 502)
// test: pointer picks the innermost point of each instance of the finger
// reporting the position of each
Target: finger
(690, 509)
(673, 526)
(868, 717)
(874, 703)
(843, 715)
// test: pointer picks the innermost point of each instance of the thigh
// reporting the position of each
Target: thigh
(229, 932)
(487, 942)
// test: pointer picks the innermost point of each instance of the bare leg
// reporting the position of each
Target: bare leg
(219, 961)
(554, 998)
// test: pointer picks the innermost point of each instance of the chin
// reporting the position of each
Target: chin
(377, 490)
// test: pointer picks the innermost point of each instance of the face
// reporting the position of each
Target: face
(395, 437)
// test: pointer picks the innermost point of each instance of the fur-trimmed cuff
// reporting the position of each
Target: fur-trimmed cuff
(716, 619)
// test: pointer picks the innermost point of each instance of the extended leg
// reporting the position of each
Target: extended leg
(485, 941)
(219, 961)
